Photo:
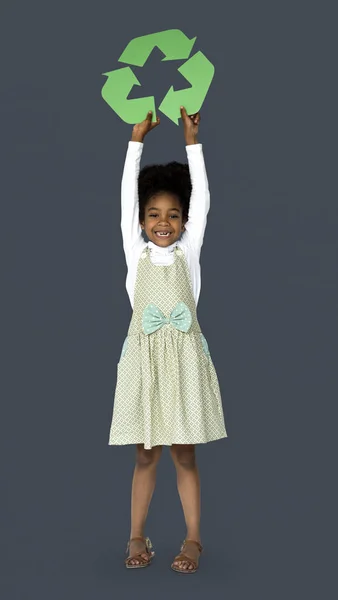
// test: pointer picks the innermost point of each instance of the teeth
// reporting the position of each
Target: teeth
(162, 233)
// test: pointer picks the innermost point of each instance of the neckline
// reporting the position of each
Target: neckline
(174, 251)
(160, 250)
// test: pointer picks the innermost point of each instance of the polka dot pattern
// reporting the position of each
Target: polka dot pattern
(167, 390)
(153, 318)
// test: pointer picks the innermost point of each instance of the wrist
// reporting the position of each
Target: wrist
(137, 138)
(190, 140)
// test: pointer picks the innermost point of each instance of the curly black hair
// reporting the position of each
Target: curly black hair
(173, 178)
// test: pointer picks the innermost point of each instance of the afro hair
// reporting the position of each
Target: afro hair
(172, 178)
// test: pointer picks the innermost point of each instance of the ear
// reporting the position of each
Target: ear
(142, 224)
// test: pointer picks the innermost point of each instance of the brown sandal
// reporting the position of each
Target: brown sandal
(143, 562)
(184, 558)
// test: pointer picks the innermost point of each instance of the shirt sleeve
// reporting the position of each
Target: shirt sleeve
(199, 199)
(130, 226)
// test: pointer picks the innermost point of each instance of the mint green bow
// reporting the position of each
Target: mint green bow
(153, 318)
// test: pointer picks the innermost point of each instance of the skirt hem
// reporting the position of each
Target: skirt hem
(166, 443)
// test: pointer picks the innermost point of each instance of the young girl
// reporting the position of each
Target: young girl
(167, 391)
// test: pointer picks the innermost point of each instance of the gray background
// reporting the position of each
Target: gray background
(269, 266)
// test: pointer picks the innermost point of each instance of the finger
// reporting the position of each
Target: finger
(149, 115)
(194, 118)
(157, 122)
(183, 111)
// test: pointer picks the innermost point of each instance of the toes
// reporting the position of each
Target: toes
(183, 565)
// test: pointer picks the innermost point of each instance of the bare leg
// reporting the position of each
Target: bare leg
(188, 484)
(143, 486)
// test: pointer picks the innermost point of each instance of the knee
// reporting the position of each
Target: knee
(147, 458)
(183, 456)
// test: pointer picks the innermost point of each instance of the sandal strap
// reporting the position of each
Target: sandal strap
(199, 546)
(184, 558)
(137, 556)
(141, 538)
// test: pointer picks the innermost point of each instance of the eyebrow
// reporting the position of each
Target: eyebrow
(154, 208)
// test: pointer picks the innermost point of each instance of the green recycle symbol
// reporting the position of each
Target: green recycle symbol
(175, 45)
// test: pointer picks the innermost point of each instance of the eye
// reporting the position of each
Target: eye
(152, 215)
(174, 216)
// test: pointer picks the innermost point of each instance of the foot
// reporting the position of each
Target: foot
(135, 547)
(190, 550)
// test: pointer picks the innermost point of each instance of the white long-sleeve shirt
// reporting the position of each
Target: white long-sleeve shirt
(191, 239)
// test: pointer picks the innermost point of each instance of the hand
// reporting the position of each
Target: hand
(190, 126)
(141, 129)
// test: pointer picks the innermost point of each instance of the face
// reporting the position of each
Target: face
(163, 222)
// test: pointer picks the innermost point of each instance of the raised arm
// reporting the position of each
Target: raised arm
(131, 230)
(199, 199)
(130, 226)
(200, 195)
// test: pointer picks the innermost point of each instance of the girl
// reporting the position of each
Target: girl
(167, 391)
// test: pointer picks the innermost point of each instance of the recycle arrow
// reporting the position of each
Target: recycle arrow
(115, 92)
(175, 45)
(172, 42)
(199, 71)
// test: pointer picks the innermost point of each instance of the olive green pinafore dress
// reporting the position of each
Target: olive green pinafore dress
(167, 390)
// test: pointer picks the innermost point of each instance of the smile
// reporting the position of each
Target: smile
(162, 233)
